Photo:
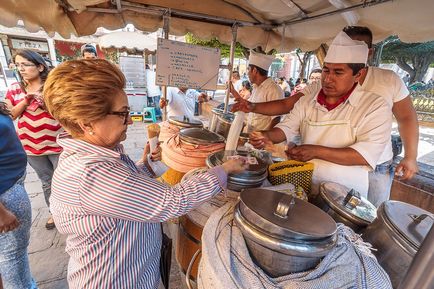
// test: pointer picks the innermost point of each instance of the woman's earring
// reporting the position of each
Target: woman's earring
(91, 132)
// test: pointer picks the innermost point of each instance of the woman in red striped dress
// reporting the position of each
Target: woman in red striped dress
(37, 129)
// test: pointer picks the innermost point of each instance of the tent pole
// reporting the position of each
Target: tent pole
(166, 19)
(231, 63)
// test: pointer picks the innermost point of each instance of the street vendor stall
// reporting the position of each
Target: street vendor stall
(280, 25)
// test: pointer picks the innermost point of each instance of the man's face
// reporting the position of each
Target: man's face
(314, 77)
(250, 73)
(337, 79)
(89, 55)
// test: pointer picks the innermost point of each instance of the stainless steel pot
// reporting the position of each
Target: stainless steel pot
(223, 125)
(215, 113)
(283, 234)
(345, 206)
(185, 122)
(199, 136)
(252, 177)
(397, 234)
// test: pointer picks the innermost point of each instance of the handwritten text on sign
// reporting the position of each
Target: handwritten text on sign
(183, 64)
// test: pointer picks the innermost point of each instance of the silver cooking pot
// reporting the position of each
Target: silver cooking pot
(185, 122)
(397, 234)
(346, 206)
(283, 234)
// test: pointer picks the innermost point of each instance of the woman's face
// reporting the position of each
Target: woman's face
(111, 130)
(28, 70)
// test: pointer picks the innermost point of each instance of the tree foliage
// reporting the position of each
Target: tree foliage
(240, 51)
(414, 58)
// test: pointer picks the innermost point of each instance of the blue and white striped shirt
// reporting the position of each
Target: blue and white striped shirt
(110, 209)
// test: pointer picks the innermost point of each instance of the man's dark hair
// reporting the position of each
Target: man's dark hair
(88, 48)
(4, 109)
(356, 67)
(261, 71)
(352, 31)
(247, 85)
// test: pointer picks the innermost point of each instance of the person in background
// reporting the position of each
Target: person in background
(264, 90)
(37, 129)
(284, 86)
(315, 75)
(15, 210)
(153, 90)
(109, 206)
(343, 129)
(88, 51)
(181, 101)
(387, 84)
(236, 80)
(246, 90)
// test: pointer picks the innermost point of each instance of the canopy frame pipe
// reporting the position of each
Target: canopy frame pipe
(166, 27)
(231, 64)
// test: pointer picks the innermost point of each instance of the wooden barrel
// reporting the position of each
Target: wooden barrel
(190, 231)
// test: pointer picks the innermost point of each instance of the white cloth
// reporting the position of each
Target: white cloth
(238, 85)
(179, 103)
(383, 82)
(260, 60)
(370, 124)
(226, 262)
(343, 49)
(268, 90)
(285, 86)
(152, 89)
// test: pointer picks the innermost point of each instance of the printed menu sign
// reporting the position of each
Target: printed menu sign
(183, 64)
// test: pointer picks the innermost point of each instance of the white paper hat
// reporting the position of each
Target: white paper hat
(260, 60)
(346, 50)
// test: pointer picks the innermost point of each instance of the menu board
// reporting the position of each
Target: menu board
(183, 64)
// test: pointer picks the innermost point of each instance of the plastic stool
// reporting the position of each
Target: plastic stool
(149, 114)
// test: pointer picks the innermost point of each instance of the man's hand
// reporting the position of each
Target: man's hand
(259, 140)
(243, 105)
(406, 169)
(302, 153)
(8, 221)
(163, 103)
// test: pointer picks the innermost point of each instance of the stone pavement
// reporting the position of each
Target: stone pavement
(48, 259)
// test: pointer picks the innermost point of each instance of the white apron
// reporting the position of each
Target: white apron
(334, 134)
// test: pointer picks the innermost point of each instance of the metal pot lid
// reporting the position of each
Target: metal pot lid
(184, 121)
(411, 222)
(335, 195)
(285, 217)
(216, 159)
(199, 136)
(226, 117)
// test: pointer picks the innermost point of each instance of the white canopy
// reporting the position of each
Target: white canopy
(302, 23)
(130, 40)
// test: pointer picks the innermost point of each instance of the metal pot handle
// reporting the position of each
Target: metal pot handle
(419, 218)
(190, 267)
(285, 203)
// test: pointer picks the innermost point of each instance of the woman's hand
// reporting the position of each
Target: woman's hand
(234, 166)
(8, 221)
(155, 155)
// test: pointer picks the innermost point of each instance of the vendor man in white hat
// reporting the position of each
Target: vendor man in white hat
(343, 129)
(264, 90)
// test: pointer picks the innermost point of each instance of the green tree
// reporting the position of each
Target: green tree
(414, 58)
(240, 51)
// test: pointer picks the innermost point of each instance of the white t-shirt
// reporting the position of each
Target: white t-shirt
(179, 103)
(382, 82)
(152, 89)
(370, 119)
(268, 90)
(238, 85)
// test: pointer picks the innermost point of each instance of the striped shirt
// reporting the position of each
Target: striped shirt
(37, 129)
(110, 209)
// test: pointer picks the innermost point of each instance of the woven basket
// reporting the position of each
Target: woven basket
(293, 172)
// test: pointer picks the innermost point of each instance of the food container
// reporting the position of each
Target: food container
(185, 122)
(199, 136)
(252, 177)
(283, 234)
(397, 234)
(344, 207)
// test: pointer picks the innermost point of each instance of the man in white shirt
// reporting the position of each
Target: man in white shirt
(153, 90)
(181, 101)
(387, 84)
(236, 80)
(343, 129)
(264, 90)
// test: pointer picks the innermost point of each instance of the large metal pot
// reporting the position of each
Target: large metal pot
(346, 206)
(283, 234)
(199, 136)
(185, 122)
(252, 177)
(213, 122)
(397, 234)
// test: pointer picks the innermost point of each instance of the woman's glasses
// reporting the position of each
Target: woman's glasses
(24, 64)
(124, 114)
